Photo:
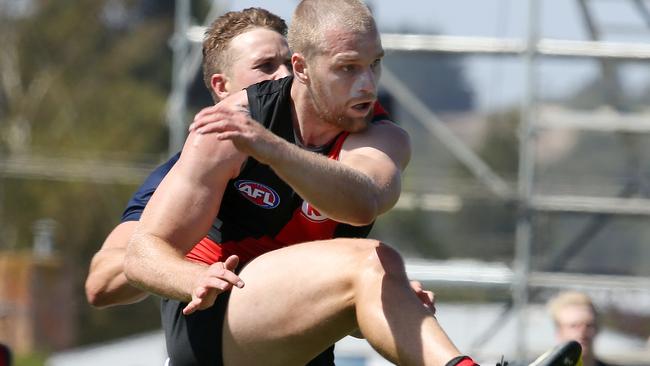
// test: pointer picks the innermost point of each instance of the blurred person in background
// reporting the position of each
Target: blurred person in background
(575, 318)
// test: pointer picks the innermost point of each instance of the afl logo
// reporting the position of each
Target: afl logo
(258, 193)
(311, 213)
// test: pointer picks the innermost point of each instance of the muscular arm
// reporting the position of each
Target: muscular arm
(364, 183)
(178, 215)
(106, 283)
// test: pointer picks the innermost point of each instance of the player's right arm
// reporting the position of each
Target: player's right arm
(180, 214)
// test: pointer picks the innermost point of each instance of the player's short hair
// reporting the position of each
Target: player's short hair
(313, 17)
(216, 58)
(569, 298)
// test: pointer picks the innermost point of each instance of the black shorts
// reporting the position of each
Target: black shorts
(195, 339)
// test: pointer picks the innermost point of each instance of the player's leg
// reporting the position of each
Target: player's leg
(299, 300)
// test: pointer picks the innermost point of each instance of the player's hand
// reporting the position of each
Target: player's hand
(235, 102)
(233, 123)
(217, 278)
(428, 298)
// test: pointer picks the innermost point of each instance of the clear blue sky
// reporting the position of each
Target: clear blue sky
(498, 81)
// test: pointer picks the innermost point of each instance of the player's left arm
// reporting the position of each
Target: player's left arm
(381, 153)
(364, 183)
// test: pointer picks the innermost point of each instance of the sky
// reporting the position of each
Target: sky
(500, 81)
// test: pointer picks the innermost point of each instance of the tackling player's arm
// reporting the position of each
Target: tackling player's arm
(106, 284)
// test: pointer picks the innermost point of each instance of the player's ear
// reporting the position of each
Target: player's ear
(300, 69)
(219, 85)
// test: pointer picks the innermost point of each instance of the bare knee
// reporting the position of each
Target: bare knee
(377, 259)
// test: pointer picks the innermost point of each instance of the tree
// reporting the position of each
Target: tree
(82, 80)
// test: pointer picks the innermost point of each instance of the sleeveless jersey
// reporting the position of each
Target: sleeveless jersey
(259, 212)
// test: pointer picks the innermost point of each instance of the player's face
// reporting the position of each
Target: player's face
(577, 322)
(343, 81)
(257, 55)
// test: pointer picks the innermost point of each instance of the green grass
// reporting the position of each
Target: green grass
(32, 359)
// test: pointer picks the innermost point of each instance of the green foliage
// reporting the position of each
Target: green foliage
(484, 228)
(32, 359)
(95, 94)
(501, 147)
(94, 102)
(83, 87)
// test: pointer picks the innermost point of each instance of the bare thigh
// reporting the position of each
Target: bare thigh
(296, 302)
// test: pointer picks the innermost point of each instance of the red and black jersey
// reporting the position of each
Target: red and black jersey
(259, 212)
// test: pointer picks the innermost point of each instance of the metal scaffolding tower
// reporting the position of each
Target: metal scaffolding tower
(186, 63)
(527, 201)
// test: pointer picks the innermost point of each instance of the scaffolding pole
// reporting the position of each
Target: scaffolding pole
(177, 105)
(436, 127)
(525, 178)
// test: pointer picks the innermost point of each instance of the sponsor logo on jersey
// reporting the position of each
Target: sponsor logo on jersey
(258, 193)
(311, 213)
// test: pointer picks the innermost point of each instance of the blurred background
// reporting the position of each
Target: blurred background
(530, 173)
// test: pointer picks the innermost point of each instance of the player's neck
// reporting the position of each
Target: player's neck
(309, 126)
